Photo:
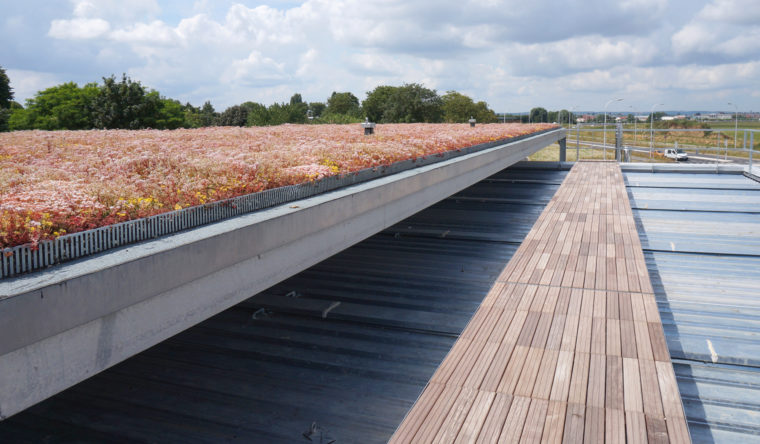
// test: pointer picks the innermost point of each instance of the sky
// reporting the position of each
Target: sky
(515, 55)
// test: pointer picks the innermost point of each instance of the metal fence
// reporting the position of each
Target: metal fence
(25, 258)
(647, 145)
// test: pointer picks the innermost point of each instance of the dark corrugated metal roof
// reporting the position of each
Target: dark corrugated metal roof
(701, 239)
(268, 368)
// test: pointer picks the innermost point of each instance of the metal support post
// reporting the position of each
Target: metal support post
(578, 142)
(618, 141)
(751, 148)
(563, 149)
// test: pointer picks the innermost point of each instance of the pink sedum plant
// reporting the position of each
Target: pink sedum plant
(53, 183)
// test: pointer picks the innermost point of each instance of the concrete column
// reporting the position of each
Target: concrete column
(563, 149)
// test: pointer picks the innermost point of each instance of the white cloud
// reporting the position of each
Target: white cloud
(741, 12)
(79, 28)
(255, 70)
(155, 32)
(509, 52)
(723, 29)
(119, 11)
(26, 83)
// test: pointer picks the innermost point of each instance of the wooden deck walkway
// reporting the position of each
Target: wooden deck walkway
(568, 344)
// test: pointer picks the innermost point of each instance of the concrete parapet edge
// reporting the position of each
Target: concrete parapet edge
(63, 325)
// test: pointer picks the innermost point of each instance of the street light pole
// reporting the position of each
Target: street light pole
(605, 125)
(736, 122)
(651, 129)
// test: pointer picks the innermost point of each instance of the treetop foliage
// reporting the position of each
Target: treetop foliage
(126, 104)
(6, 92)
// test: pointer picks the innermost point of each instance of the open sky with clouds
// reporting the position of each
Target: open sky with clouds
(686, 54)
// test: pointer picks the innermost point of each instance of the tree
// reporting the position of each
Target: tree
(171, 114)
(64, 106)
(6, 92)
(317, 109)
(414, 103)
(343, 103)
(377, 102)
(235, 115)
(297, 109)
(258, 115)
(459, 108)
(124, 104)
(279, 113)
(538, 115)
(208, 116)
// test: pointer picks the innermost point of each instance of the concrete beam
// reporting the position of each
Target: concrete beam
(66, 324)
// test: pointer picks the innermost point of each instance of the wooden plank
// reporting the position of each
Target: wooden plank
(635, 428)
(534, 422)
(643, 344)
(554, 341)
(628, 339)
(542, 330)
(575, 419)
(416, 417)
(583, 339)
(613, 398)
(481, 366)
(500, 329)
(632, 386)
(569, 335)
(498, 366)
(546, 371)
(515, 422)
(529, 329)
(657, 431)
(613, 338)
(593, 432)
(456, 416)
(437, 414)
(467, 362)
(495, 419)
(579, 379)
(651, 394)
(671, 400)
(529, 372)
(598, 336)
(596, 385)
(512, 373)
(657, 340)
(562, 374)
(678, 433)
(555, 423)
(475, 418)
(614, 426)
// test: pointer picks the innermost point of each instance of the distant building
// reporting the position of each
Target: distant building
(667, 118)
(642, 118)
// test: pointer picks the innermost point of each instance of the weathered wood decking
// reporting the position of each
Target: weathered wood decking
(568, 344)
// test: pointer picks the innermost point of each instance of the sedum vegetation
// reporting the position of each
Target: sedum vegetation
(52, 183)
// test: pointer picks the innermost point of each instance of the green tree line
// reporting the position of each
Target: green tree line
(127, 104)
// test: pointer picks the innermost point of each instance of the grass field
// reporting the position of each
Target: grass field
(551, 153)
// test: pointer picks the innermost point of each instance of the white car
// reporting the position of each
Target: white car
(676, 154)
